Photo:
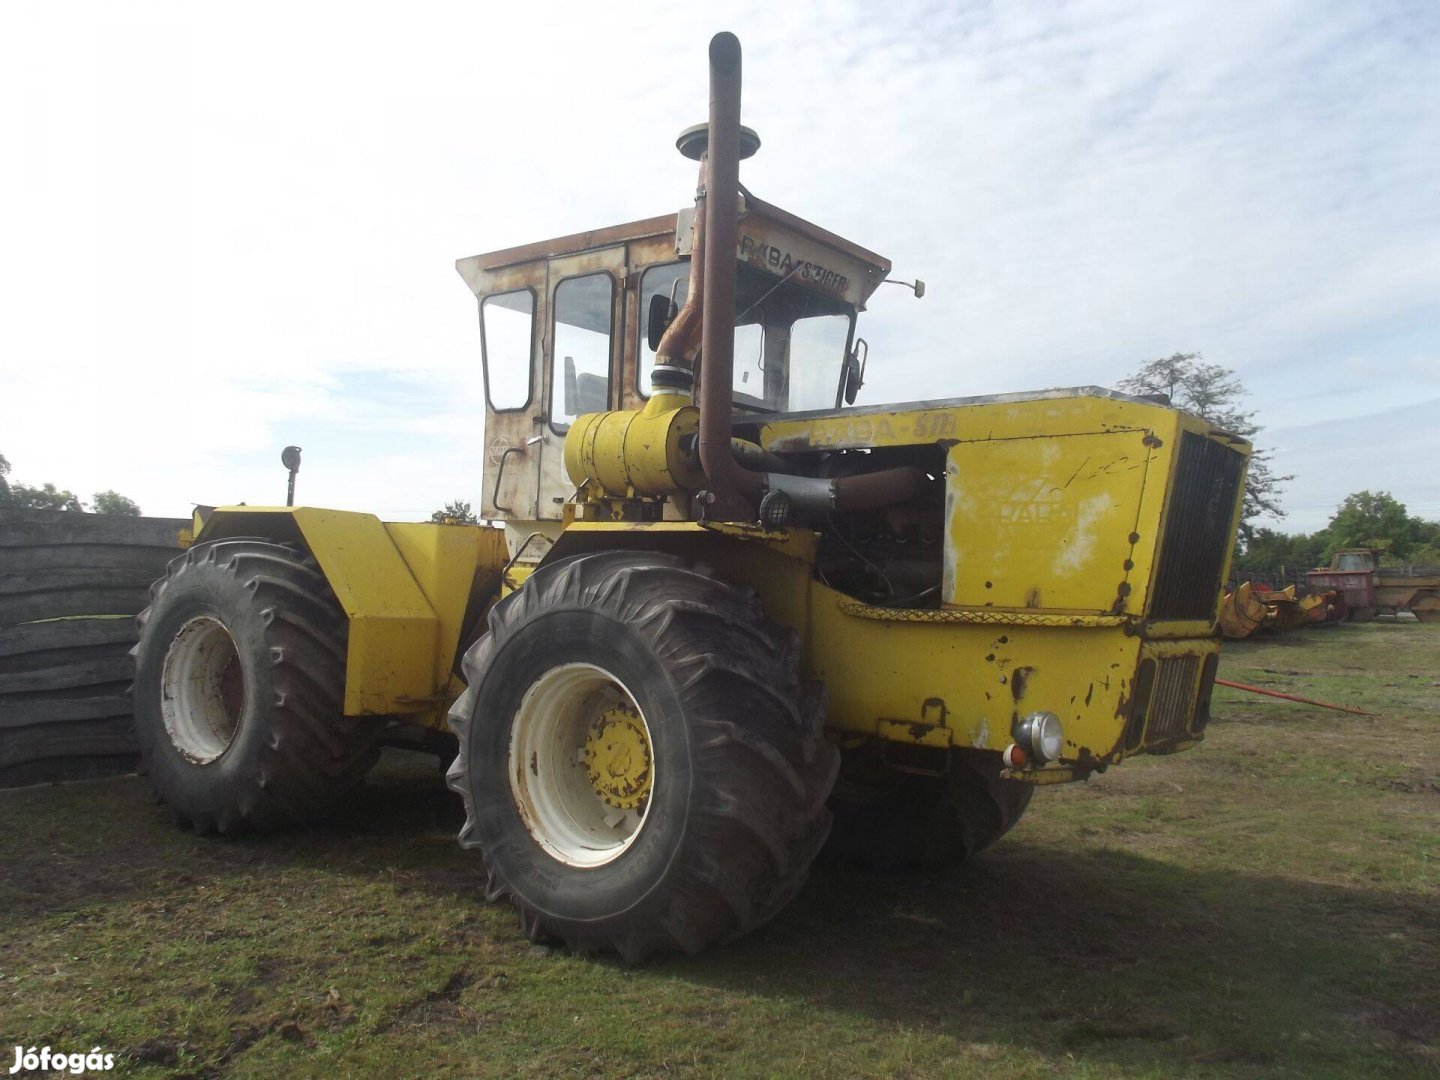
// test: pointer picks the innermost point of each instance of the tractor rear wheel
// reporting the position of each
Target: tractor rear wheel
(239, 689)
(641, 767)
(895, 820)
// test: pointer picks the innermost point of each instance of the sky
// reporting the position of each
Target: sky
(229, 228)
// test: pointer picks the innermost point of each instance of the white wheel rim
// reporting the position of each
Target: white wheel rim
(201, 690)
(549, 779)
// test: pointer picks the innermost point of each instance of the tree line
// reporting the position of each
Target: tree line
(1366, 519)
(48, 497)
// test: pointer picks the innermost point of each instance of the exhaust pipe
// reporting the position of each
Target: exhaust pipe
(680, 344)
(735, 492)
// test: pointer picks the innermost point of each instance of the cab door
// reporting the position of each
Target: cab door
(513, 316)
(586, 312)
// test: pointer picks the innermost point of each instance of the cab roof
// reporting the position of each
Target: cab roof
(772, 225)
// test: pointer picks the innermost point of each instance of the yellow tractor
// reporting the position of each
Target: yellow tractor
(727, 606)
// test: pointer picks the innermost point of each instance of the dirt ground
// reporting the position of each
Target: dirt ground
(1264, 905)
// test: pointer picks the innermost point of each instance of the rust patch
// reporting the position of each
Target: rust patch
(535, 764)
(1004, 639)
(1127, 693)
(1128, 564)
(990, 657)
(989, 584)
(1153, 441)
(1089, 694)
(1134, 538)
(1032, 597)
(937, 704)
(1019, 680)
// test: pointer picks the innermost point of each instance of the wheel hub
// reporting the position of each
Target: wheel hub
(202, 690)
(617, 758)
(581, 766)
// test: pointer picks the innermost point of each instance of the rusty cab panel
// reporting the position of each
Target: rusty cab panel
(563, 326)
(558, 338)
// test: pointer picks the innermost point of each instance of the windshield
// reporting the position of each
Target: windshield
(789, 342)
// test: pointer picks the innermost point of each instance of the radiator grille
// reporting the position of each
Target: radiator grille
(1173, 700)
(1197, 533)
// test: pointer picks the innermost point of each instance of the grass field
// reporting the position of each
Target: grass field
(1265, 905)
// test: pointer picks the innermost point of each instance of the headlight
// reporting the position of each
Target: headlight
(1039, 734)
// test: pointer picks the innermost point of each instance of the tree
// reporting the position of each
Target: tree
(1213, 393)
(1426, 555)
(112, 502)
(1377, 520)
(48, 497)
(456, 512)
(4, 484)
(1267, 551)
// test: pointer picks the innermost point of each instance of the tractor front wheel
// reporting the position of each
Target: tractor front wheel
(641, 767)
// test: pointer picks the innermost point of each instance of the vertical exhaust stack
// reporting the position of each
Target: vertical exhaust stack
(734, 492)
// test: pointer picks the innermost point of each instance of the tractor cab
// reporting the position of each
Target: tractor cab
(571, 326)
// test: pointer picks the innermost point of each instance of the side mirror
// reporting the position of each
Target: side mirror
(855, 370)
(662, 313)
(571, 397)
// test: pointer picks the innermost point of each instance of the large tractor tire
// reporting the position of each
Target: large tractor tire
(239, 687)
(902, 821)
(642, 769)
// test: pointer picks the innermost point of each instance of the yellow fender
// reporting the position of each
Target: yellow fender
(405, 587)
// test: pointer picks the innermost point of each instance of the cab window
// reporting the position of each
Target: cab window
(672, 280)
(507, 331)
(580, 375)
(789, 340)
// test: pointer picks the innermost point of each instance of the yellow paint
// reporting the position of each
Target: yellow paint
(1044, 523)
(979, 677)
(635, 452)
(916, 733)
(984, 616)
(618, 758)
(445, 561)
(515, 576)
(930, 678)
(1024, 417)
